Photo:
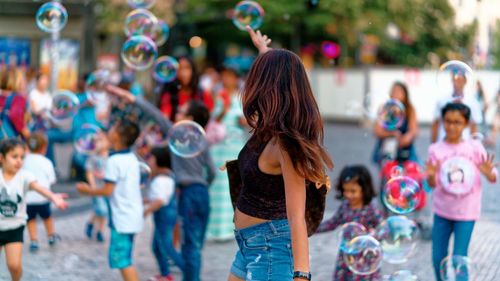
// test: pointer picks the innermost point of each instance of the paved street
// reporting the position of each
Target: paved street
(76, 258)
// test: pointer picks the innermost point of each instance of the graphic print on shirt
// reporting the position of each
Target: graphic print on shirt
(457, 175)
(9, 204)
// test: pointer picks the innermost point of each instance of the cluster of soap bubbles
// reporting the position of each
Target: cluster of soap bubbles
(145, 34)
(393, 241)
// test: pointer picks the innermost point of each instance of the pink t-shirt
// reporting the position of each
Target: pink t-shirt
(457, 195)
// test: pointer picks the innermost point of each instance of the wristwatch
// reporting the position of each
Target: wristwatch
(302, 275)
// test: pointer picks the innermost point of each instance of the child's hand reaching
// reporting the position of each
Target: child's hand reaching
(120, 93)
(488, 166)
(83, 188)
(261, 42)
(58, 200)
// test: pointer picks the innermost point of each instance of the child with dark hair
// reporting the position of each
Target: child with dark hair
(355, 188)
(38, 206)
(14, 184)
(122, 187)
(193, 176)
(162, 204)
(454, 169)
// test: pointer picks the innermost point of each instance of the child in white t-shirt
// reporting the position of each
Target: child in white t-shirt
(122, 187)
(14, 184)
(162, 204)
(38, 206)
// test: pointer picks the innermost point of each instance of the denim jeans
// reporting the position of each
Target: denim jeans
(441, 232)
(163, 245)
(194, 210)
(265, 252)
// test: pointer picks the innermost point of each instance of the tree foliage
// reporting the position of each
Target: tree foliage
(426, 26)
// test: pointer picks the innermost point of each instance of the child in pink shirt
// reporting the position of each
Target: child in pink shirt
(454, 170)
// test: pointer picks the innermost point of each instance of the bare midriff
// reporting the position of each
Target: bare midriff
(242, 220)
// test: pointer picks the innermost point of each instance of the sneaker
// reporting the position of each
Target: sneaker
(53, 239)
(169, 277)
(99, 237)
(34, 246)
(88, 230)
(155, 278)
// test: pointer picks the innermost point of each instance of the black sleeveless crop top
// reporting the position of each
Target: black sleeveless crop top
(262, 195)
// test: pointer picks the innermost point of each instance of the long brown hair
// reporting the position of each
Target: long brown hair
(279, 104)
(410, 110)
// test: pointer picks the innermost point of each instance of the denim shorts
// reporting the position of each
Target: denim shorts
(120, 249)
(265, 252)
(100, 206)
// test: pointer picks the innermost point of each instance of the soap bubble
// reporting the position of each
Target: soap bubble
(363, 255)
(140, 22)
(161, 32)
(457, 174)
(187, 139)
(65, 105)
(453, 72)
(348, 232)
(165, 69)
(392, 115)
(401, 194)
(396, 171)
(51, 17)
(455, 268)
(141, 4)
(139, 52)
(248, 13)
(398, 237)
(86, 138)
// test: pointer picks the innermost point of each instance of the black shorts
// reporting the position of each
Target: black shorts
(42, 210)
(11, 236)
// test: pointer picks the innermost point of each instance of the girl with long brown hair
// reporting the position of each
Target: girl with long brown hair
(284, 151)
(405, 135)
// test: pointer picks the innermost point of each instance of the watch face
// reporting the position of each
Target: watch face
(457, 175)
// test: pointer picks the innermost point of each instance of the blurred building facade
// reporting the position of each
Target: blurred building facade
(486, 13)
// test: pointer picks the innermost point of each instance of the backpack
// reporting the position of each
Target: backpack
(7, 128)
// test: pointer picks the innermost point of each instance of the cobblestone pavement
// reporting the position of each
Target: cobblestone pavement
(79, 259)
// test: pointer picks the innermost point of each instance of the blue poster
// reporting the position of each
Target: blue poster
(15, 51)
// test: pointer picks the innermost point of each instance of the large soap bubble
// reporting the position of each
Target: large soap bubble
(363, 255)
(248, 13)
(51, 17)
(187, 139)
(398, 237)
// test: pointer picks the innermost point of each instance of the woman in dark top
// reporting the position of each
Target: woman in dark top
(405, 135)
(281, 110)
(182, 90)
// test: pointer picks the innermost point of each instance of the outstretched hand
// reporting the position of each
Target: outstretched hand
(261, 42)
(83, 188)
(487, 166)
(58, 200)
(120, 93)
